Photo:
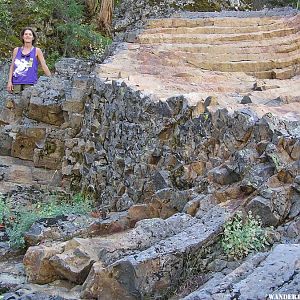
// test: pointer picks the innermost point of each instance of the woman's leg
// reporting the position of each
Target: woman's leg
(18, 88)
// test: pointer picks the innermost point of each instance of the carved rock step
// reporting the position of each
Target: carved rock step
(44, 264)
(288, 44)
(281, 66)
(145, 38)
(145, 65)
(216, 29)
(17, 171)
(228, 57)
(225, 22)
(152, 272)
(275, 272)
(283, 73)
(12, 273)
(246, 66)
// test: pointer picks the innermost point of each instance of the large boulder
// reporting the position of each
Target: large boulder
(37, 265)
(272, 206)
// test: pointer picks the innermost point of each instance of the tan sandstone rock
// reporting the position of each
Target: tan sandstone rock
(37, 265)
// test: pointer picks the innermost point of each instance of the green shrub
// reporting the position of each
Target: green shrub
(78, 37)
(52, 58)
(62, 26)
(242, 236)
(5, 14)
(18, 220)
(282, 3)
(21, 222)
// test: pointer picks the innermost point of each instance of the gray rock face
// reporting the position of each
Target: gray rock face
(153, 271)
(270, 275)
(4, 68)
(280, 199)
(73, 260)
(266, 274)
(263, 207)
(71, 66)
(45, 106)
(59, 228)
(11, 275)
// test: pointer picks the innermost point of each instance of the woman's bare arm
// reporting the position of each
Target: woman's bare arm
(10, 86)
(42, 61)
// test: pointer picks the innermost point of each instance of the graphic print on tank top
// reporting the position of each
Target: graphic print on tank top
(25, 67)
(22, 66)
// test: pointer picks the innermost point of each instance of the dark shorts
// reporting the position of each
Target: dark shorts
(18, 88)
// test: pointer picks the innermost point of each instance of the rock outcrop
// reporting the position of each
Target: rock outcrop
(272, 274)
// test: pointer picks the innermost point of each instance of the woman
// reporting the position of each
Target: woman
(23, 71)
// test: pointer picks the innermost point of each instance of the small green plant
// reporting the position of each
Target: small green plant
(276, 160)
(4, 211)
(282, 3)
(242, 236)
(20, 219)
(52, 58)
(19, 224)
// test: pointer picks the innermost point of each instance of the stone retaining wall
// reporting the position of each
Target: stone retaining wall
(133, 148)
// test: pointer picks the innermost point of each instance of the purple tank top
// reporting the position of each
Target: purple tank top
(25, 68)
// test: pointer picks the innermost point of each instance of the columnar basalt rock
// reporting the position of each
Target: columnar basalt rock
(36, 124)
(142, 150)
(149, 159)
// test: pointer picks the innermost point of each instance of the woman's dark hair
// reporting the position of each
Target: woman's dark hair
(33, 33)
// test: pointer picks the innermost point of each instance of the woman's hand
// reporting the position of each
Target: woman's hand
(10, 87)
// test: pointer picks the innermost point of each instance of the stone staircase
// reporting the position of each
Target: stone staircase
(243, 36)
(197, 55)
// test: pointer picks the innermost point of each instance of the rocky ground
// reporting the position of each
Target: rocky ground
(192, 120)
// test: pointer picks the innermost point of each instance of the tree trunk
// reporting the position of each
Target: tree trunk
(92, 6)
(105, 16)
